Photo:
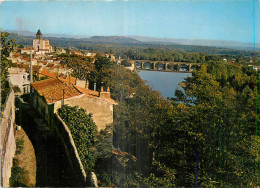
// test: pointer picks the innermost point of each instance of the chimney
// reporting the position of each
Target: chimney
(87, 85)
(31, 69)
(104, 94)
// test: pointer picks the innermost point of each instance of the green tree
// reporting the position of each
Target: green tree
(7, 46)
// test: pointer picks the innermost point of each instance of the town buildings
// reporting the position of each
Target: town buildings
(54, 86)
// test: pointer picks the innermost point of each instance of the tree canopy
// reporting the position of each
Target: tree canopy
(7, 46)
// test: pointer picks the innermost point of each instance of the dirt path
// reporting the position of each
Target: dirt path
(51, 169)
(26, 158)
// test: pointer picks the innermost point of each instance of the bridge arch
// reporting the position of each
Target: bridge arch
(148, 65)
(184, 67)
(170, 67)
(160, 66)
(138, 64)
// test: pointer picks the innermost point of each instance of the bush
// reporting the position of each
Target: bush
(82, 128)
(16, 89)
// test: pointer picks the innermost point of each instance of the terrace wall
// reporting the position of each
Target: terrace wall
(73, 161)
(8, 144)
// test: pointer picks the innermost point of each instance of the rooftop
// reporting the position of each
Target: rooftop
(52, 90)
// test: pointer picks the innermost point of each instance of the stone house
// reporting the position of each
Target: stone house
(50, 94)
(19, 77)
(27, 50)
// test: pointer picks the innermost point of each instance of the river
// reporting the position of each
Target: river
(165, 82)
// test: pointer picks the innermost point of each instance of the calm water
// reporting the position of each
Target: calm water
(165, 82)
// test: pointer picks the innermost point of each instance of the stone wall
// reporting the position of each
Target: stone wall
(8, 144)
(102, 111)
(75, 166)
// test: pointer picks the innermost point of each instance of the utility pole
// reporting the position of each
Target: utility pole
(31, 69)
(62, 98)
(69, 78)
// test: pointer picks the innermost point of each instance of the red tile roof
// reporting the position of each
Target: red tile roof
(26, 59)
(47, 73)
(29, 48)
(16, 54)
(69, 80)
(52, 90)
(88, 91)
(50, 65)
(65, 79)
(92, 93)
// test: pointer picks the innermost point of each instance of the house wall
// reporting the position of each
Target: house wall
(19, 78)
(102, 111)
(45, 110)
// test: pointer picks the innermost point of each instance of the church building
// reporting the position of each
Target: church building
(41, 45)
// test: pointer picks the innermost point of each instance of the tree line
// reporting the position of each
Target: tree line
(205, 136)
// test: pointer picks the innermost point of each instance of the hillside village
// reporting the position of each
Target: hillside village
(53, 84)
(37, 74)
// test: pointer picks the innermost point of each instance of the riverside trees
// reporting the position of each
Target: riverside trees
(206, 137)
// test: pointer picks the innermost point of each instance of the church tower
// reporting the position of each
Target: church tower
(41, 46)
(39, 35)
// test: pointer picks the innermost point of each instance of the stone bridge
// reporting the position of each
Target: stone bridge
(163, 65)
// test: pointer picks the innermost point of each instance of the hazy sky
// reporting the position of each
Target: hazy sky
(194, 19)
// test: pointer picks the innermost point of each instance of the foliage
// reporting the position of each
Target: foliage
(18, 175)
(82, 128)
(16, 89)
(103, 143)
(7, 46)
(83, 68)
(219, 125)
(213, 121)
(25, 55)
(164, 177)
(19, 145)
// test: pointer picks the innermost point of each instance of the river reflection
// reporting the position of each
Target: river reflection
(165, 82)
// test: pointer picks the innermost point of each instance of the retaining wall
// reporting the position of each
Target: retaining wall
(8, 144)
(64, 136)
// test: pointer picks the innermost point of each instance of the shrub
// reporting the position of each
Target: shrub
(16, 89)
(82, 128)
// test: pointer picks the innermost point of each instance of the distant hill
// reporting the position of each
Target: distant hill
(199, 42)
(115, 44)
(32, 34)
(149, 40)
(113, 39)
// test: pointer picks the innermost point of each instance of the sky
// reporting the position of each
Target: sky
(237, 20)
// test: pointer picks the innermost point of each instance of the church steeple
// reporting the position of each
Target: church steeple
(39, 35)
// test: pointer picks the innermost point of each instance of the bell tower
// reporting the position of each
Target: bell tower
(39, 35)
